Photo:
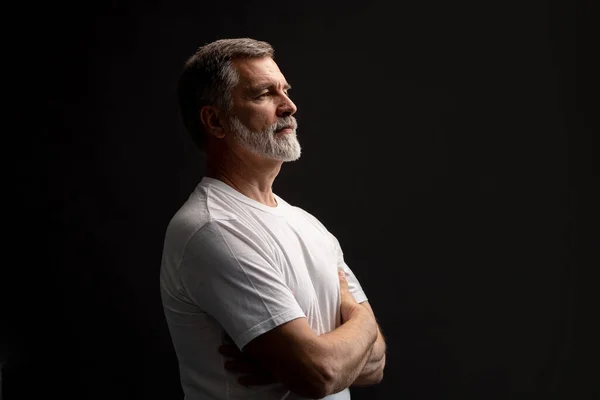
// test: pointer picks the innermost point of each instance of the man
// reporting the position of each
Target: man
(259, 301)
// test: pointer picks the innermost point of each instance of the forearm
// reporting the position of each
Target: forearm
(348, 349)
(372, 372)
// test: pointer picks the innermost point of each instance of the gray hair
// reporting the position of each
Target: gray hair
(208, 77)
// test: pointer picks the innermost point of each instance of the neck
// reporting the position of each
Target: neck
(246, 172)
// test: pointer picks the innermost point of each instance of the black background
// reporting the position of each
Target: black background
(447, 145)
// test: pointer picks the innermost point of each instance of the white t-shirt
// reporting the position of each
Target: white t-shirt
(231, 264)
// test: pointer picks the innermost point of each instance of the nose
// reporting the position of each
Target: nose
(286, 107)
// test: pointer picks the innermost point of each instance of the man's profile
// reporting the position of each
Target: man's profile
(258, 299)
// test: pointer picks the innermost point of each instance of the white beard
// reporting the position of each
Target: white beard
(284, 147)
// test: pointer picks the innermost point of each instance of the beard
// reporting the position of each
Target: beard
(283, 147)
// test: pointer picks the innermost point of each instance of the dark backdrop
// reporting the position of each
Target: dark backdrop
(443, 144)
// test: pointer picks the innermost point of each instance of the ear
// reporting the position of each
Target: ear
(210, 117)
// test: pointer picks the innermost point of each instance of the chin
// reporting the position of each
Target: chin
(290, 159)
(282, 157)
(291, 155)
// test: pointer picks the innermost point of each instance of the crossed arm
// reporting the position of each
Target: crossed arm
(372, 372)
(350, 355)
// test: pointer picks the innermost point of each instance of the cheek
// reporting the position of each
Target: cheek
(259, 121)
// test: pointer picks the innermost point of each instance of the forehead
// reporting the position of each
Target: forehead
(255, 71)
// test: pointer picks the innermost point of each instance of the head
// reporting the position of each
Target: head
(232, 93)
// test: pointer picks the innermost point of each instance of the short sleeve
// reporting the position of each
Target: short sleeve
(227, 273)
(353, 284)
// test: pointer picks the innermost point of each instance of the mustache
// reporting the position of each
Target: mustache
(287, 122)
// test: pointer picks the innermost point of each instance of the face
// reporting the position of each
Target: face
(262, 118)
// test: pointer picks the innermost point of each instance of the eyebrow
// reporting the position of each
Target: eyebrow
(267, 85)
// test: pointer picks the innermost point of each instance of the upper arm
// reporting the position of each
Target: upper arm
(293, 353)
(232, 278)
(353, 283)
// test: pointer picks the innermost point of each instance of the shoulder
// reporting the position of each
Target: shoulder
(229, 241)
(203, 206)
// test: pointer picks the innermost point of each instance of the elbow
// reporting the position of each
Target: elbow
(313, 391)
(373, 377)
(378, 376)
(379, 372)
(317, 382)
(323, 385)
(327, 383)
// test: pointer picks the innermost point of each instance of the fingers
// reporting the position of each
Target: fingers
(343, 281)
(239, 361)
(227, 338)
(230, 350)
(242, 366)
(256, 374)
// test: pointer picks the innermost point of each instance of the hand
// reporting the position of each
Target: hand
(348, 305)
(242, 363)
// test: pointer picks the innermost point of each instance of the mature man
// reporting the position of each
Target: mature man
(259, 301)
